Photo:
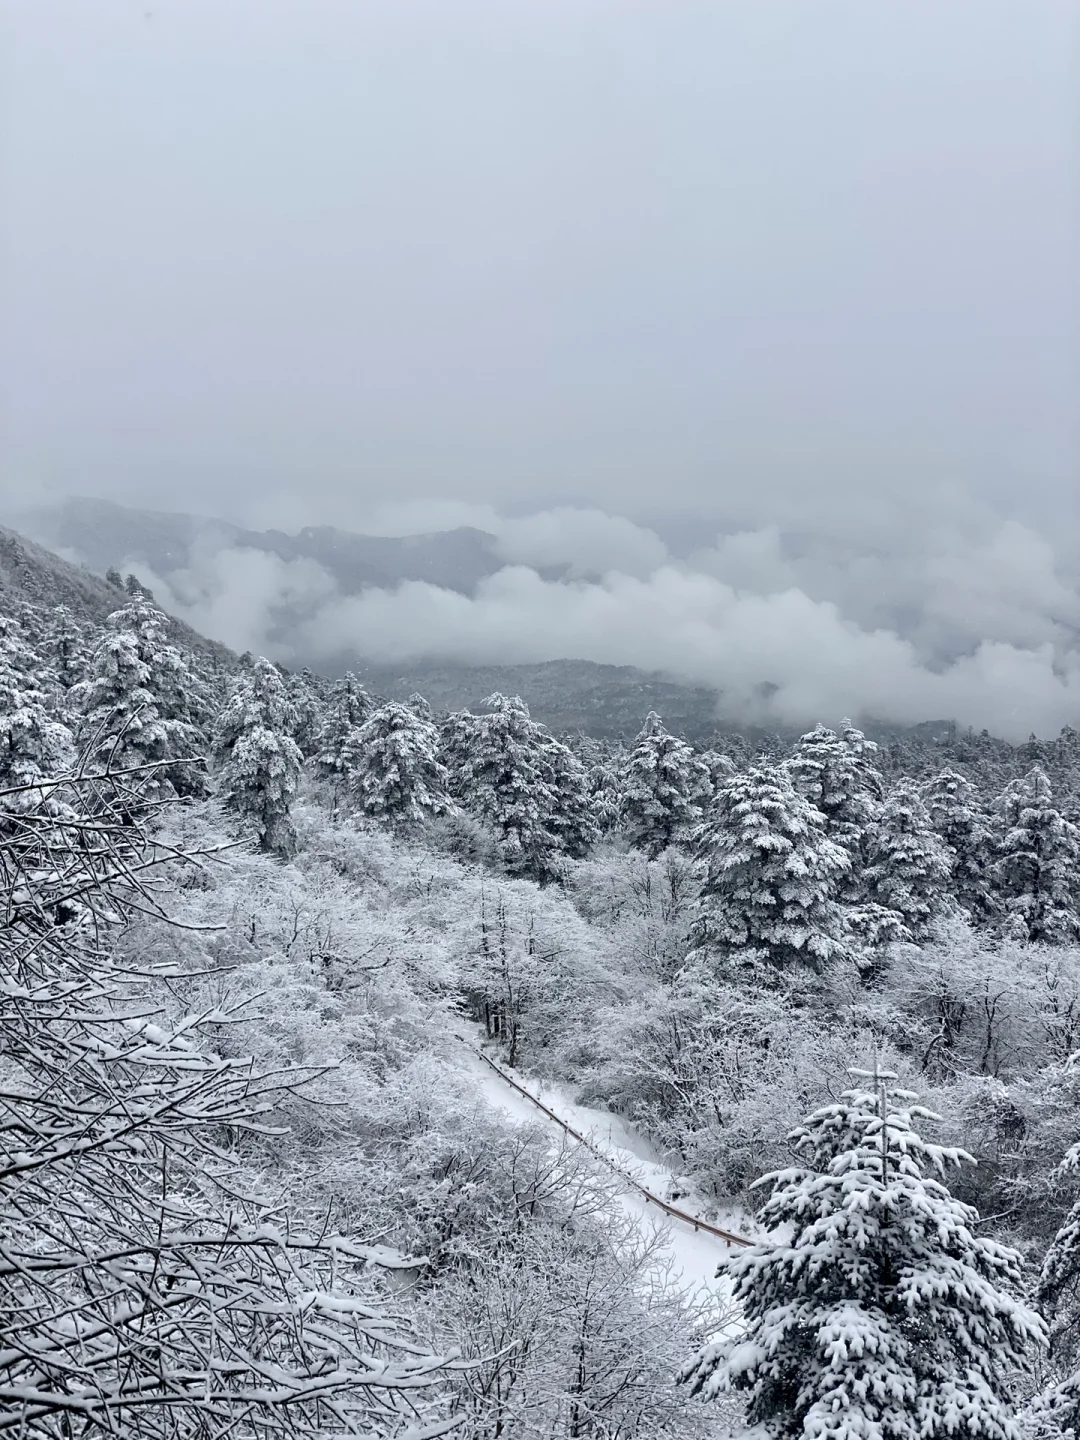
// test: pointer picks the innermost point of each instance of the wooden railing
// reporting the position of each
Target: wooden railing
(624, 1176)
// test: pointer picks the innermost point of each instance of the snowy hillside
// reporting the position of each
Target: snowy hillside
(259, 1177)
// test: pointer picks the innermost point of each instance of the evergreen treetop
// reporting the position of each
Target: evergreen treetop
(878, 1313)
(771, 874)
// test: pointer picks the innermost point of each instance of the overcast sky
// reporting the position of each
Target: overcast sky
(739, 256)
(805, 273)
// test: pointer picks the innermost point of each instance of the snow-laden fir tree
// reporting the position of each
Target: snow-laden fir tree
(140, 704)
(604, 781)
(964, 826)
(65, 648)
(17, 654)
(459, 732)
(260, 760)
(719, 766)
(665, 787)
(33, 745)
(573, 819)
(838, 774)
(507, 783)
(878, 1312)
(393, 768)
(347, 707)
(1038, 862)
(907, 866)
(513, 775)
(307, 708)
(771, 875)
(1059, 1296)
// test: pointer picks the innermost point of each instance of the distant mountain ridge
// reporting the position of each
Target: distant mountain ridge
(567, 695)
(33, 575)
(104, 534)
(606, 701)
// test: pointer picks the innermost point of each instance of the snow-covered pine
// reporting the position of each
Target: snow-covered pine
(458, 734)
(120, 725)
(838, 774)
(347, 707)
(878, 1313)
(517, 779)
(664, 788)
(604, 780)
(573, 821)
(1059, 1295)
(140, 704)
(64, 646)
(719, 765)
(393, 769)
(307, 708)
(260, 761)
(907, 867)
(964, 825)
(33, 745)
(1038, 862)
(771, 876)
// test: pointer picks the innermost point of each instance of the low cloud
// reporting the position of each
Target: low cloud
(975, 619)
(247, 599)
(781, 657)
(586, 542)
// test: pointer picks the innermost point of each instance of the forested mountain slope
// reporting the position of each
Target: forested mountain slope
(248, 1185)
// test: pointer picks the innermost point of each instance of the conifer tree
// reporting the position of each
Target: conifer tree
(665, 787)
(1059, 1295)
(838, 774)
(393, 767)
(573, 819)
(522, 783)
(348, 706)
(771, 875)
(964, 826)
(65, 648)
(459, 732)
(307, 711)
(880, 1314)
(33, 745)
(908, 866)
(260, 761)
(1038, 857)
(719, 766)
(140, 704)
(604, 782)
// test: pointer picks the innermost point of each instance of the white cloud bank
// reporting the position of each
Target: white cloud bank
(701, 629)
(982, 626)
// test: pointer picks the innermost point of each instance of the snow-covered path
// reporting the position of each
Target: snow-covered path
(693, 1255)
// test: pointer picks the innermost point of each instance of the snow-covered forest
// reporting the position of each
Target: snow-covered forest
(257, 926)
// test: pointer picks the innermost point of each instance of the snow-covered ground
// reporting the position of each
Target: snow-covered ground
(693, 1255)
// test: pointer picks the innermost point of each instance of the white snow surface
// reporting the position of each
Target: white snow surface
(693, 1255)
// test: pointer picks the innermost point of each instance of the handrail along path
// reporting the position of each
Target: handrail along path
(726, 1235)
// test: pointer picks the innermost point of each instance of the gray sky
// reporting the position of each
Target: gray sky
(281, 257)
(803, 272)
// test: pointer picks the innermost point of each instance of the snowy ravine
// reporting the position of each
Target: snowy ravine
(693, 1254)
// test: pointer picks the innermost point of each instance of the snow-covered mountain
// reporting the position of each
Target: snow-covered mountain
(103, 534)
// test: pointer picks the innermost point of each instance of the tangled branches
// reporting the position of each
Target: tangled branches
(139, 1294)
